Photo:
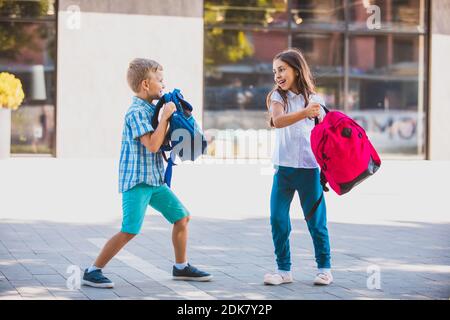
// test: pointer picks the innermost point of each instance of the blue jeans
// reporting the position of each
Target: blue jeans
(307, 183)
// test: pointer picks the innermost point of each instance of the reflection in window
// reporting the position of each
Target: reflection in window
(250, 13)
(34, 9)
(384, 71)
(325, 55)
(376, 76)
(318, 14)
(27, 50)
(238, 76)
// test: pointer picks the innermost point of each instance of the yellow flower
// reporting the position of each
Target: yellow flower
(11, 92)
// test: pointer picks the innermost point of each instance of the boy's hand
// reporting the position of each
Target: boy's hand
(169, 109)
(312, 110)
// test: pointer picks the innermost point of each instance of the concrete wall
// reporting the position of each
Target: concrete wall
(94, 49)
(439, 103)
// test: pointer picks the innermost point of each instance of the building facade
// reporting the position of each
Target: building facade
(383, 62)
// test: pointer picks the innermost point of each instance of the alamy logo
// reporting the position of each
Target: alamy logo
(374, 279)
(374, 21)
(73, 21)
(74, 280)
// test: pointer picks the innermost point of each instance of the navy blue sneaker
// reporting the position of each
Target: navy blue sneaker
(190, 273)
(96, 279)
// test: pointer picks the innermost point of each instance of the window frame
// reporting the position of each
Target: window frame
(46, 19)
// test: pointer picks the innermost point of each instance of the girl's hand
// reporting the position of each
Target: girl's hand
(312, 110)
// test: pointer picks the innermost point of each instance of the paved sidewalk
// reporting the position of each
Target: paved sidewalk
(413, 259)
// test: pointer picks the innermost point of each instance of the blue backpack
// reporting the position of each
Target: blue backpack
(184, 138)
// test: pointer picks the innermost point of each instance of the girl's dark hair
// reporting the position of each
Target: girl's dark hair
(305, 81)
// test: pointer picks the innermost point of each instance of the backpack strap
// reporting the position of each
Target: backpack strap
(313, 209)
(323, 182)
(155, 122)
(316, 119)
(168, 173)
(323, 179)
(186, 106)
(159, 105)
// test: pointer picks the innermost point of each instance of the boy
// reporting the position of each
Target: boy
(141, 177)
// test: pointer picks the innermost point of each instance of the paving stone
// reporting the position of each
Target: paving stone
(238, 253)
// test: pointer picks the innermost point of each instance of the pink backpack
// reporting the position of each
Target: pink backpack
(343, 151)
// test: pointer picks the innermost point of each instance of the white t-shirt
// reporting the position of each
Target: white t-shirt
(292, 143)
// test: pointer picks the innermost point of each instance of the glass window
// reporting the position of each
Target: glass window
(28, 50)
(377, 76)
(238, 76)
(324, 53)
(384, 71)
(268, 13)
(34, 9)
(386, 87)
(318, 14)
(395, 15)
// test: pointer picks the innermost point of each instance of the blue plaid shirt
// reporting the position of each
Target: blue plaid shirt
(137, 164)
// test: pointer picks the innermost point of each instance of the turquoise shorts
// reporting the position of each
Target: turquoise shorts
(161, 198)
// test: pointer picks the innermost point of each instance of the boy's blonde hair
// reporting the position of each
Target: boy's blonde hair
(139, 69)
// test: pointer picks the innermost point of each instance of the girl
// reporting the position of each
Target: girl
(293, 105)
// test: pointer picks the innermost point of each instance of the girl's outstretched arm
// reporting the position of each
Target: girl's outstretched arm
(281, 119)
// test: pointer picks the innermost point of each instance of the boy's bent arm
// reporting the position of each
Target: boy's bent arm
(153, 140)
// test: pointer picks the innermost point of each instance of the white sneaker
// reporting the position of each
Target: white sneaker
(323, 279)
(276, 278)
